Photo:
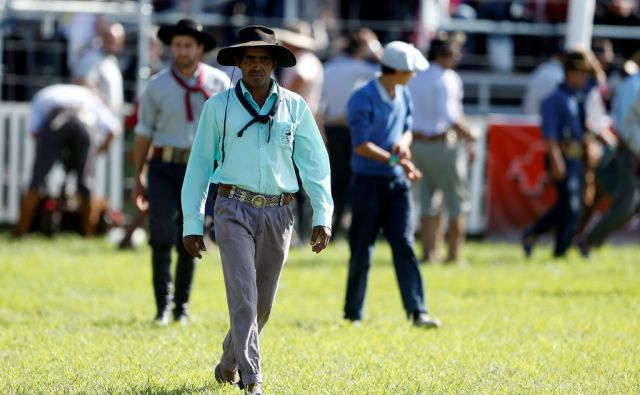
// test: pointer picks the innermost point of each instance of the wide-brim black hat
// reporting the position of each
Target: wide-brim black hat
(256, 36)
(187, 27)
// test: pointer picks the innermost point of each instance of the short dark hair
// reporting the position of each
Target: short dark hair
(387, 69)
(577, 60)
(440, 47)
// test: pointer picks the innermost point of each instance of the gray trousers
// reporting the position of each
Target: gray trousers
(444, 170)
(254, 243)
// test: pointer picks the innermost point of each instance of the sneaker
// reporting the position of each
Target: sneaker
(527, 245)
(182, 319)
(424, 320)
(354, 321)
(583, 247)
(162, 319)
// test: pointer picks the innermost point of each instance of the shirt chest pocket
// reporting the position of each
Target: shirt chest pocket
(284, 134)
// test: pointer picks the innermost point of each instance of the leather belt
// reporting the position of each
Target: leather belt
(170, 154)
(255, 199)
(338, 122)
(430, 137)
(571, 149)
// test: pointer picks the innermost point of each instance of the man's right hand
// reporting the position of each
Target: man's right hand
(558, 171)
(194, 244)
(138, 196)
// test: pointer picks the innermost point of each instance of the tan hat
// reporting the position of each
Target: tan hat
(297, 34)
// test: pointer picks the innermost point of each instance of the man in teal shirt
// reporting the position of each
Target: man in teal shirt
(250, 132)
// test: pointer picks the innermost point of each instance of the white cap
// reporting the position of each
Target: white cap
(402, 56)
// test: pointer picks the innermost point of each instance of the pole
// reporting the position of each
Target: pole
(144, 30)
(580, 24)
(3, 6)
(290, 10)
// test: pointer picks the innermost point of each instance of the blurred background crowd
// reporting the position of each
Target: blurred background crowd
(506, 36)
(504, 46)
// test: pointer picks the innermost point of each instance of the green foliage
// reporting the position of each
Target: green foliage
(75, 318)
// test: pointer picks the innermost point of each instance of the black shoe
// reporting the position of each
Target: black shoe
(527, 246)
(226, 377)
(424, 320)
(181, 315)
(583, 247)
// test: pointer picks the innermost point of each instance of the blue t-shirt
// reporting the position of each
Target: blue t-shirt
(375, 117)
(562, 113)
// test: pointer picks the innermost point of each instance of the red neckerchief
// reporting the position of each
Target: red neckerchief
(199, 87)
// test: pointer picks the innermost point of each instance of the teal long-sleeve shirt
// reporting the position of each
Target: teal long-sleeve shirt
(254, 161)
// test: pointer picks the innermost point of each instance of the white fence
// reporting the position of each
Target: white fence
(17, 151)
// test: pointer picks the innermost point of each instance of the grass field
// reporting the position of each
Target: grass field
(75, 318)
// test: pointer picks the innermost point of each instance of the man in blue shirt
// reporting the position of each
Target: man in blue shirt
(251, 131)
(380, 122)
(564, 132)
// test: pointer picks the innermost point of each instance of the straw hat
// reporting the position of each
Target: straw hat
(297, 34)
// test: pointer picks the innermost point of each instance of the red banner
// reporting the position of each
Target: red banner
(518, 189)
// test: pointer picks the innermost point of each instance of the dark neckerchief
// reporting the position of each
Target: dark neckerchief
(254, 113)
(199, 87)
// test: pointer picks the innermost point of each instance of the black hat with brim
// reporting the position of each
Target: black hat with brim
(256, 36)
(186, 27)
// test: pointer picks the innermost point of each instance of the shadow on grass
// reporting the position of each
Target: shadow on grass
(120, 322)
(558, 293)
(181, 389)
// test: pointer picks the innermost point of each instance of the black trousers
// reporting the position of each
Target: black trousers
(340, 158)
(165, 227)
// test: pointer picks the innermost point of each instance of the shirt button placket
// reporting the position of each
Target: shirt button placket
(262, 132)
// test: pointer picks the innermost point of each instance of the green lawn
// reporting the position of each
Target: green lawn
(75, 318)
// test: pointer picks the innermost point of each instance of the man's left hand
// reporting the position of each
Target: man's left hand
(401, 149)
(320, 237)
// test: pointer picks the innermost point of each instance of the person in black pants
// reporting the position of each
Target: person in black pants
(168, 115)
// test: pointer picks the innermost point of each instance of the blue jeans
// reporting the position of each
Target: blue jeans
(382, 203)
(564, 215)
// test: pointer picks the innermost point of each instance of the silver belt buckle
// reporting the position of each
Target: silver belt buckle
(258, 201)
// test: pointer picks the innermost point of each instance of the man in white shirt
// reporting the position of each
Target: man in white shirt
(69, 123)
(343, 74)
(304, 78)
(99, 68)
(438, 125)
(543, 80)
